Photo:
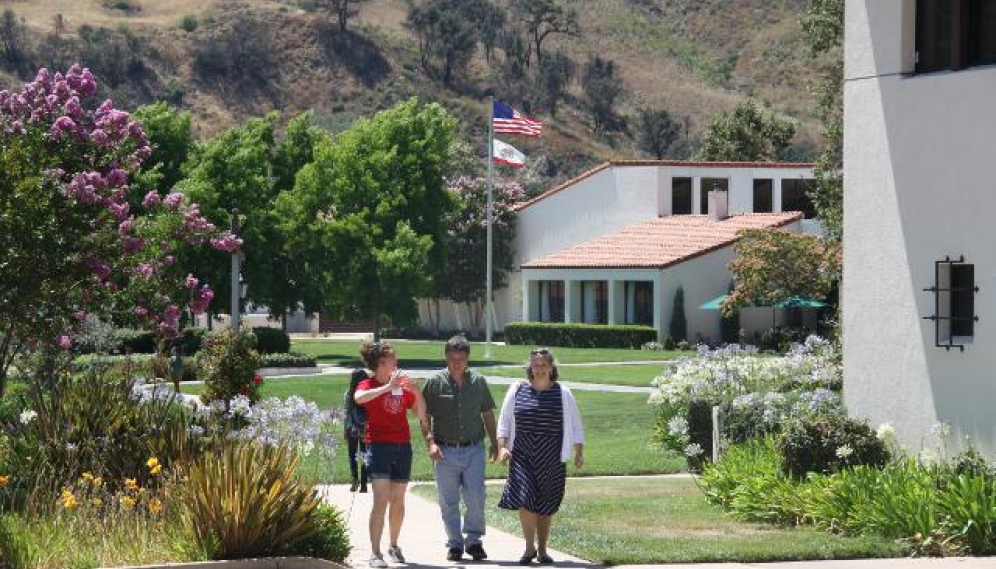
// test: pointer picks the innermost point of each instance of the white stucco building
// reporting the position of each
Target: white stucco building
(918, 293)
(613, 244)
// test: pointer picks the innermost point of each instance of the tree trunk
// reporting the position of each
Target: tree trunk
(210, 318)
(283, 321)
(376, 318)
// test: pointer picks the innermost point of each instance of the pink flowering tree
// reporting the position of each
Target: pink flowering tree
(73, 245)
(463, 277)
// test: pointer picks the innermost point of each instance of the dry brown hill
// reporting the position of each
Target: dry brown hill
(694, 57)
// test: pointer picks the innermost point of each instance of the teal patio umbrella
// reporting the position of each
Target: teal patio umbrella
(791, 302)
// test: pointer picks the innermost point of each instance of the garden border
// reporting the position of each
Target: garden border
(260, 563)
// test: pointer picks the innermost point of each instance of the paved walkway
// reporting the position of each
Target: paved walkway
(423, 538)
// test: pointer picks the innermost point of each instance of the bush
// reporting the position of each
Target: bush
(189, 23)
(228, 364)
(291, 359)
(669, 343)
(247, 501)
(652, 347)
(578, 335)
(330, 542)
(721, 480)
(271, 340)
(830, 444)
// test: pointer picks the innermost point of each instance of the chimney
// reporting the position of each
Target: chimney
(719, 205)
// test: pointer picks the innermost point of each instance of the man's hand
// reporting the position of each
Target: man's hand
(435, 453)
(578, 460)
(493, 453)
(504, 455)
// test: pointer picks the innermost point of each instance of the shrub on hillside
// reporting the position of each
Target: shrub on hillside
(830, 444)
(271, 340)
(578, 335)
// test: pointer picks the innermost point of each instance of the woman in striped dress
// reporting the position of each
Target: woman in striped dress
(538, 431)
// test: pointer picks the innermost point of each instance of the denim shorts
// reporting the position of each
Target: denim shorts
(387, 461)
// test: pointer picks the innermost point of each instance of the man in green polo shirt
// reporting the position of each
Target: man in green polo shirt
(459, 412)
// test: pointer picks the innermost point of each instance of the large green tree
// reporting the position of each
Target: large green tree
(171, 137)
(774, 265)
(747, 133)
(369, 215)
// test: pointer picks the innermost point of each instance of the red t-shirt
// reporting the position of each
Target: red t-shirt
(387, 418)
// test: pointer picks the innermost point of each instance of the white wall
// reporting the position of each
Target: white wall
(918, 154)
(607, 201)
(741, 184)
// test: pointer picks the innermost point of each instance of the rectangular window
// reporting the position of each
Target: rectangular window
(555, 292)
(762, 196)
(643, 303)
(708, 185)
(795, 197)
(681, 196)
(601, 302)
(962, 300)
(954, 34)
(954, 292)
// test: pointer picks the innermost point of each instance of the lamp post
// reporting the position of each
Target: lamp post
(236, 277)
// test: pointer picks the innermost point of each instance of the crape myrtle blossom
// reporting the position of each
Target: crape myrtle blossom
(89, 155)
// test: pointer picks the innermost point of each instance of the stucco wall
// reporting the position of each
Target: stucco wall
(917, 154)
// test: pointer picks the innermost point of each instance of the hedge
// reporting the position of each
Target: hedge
(578, 335)
(271, 340)
(292, 359)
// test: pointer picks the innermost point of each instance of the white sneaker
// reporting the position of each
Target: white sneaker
(377, 562)
(394, 554)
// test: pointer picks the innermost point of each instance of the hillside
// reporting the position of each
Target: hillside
(227, 60)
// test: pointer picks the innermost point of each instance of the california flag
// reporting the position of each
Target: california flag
(507, 154)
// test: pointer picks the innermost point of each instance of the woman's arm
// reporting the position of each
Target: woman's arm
(364, 395)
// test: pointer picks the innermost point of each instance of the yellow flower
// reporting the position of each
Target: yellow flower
(4, 480)
(67, 499)
(131, 484)
(152, 462)
(155, 506)
(97, 502)
(88, 477)
(97, 481)
(157, 469)
(127, 502)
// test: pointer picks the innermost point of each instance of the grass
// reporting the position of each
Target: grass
(659, 520)
(425, 354)
(617, 425)
(636, 375)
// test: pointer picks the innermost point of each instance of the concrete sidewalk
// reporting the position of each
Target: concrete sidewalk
(423, 538)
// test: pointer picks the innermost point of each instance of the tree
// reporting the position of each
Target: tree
(774, 265)
(172, 140)
(13, 39)
(554, 76)
(678, 327)
(73, 247)
(341, 10)
(447, 33)
(602, 88)
(543, 18)
(659, 132)
(747, 133)
(369, 215)
(823, 25)
(463, 276)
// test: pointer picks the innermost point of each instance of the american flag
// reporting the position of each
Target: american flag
(510, 121)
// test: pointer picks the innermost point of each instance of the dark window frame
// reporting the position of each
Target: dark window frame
(804, 203)
(555, 303)
(956, 41)
(686, 208)
(766, 185)
(954, 303)
(643, 303)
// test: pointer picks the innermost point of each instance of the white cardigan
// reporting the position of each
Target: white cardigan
(573, 429)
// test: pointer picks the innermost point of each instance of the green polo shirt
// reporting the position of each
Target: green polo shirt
(456, 411)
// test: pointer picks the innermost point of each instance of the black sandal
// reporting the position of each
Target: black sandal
(545, 560)
(527, 559)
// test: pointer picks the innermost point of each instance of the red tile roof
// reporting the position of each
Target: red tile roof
(661, 242)
(677, 163)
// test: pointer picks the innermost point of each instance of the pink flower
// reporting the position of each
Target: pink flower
(61, 125)
(65, 342)
(100, 137)
(227, 242)
(145, 270)
(133, 245)
(168, 260)
(191, 282)
(173, 200)
(101, 269)
(141, 311)
(151, 199)
(125, 227)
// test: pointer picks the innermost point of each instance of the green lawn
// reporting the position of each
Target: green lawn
(430, 354)
(617, 426)
(638, 375)
(649, 521)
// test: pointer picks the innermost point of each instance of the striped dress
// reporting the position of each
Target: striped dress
(536, 476)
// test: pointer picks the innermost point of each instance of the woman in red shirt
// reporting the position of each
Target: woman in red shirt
(386, 397)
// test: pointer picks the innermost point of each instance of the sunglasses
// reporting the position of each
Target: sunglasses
(540, 352)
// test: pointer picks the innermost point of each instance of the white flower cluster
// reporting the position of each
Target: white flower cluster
(292, 421)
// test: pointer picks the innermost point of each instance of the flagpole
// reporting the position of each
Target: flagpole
(488, 324)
